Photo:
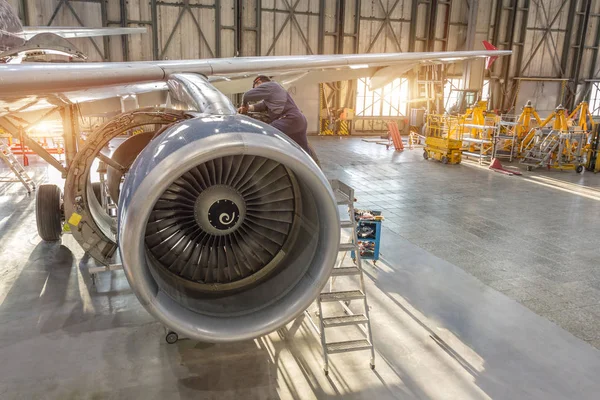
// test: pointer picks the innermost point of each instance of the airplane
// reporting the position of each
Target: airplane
(226, 229)
(17, 43)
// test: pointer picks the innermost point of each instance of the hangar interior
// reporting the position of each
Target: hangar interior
(474, 187)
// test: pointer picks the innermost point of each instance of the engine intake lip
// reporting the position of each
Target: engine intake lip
(254, 312)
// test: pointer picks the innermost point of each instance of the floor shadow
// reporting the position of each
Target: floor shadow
(38, 293)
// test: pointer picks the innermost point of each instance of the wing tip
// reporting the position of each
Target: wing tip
(488, 45)
(490, 60)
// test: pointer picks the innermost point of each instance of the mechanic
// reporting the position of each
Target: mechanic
(283, 113)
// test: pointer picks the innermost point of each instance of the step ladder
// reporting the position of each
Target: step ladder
(9, 158)
(345, 196)
(539, 154)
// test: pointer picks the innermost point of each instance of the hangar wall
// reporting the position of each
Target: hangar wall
(556, 40)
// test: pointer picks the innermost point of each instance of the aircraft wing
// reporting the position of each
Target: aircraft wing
(56, 83)
(70, 33)
(60, 77)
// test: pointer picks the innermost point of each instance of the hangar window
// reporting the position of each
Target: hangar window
(451, 91)
(389, 101)
(595, 99)
(485, 90)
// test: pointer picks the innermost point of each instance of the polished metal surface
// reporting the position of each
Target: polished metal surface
(23, 80)
(44, 43)
(227, 229)
(194, 92)
(284, 247)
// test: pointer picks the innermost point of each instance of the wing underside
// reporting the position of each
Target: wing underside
(43, 85)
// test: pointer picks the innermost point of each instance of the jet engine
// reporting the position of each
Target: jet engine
(227, 229)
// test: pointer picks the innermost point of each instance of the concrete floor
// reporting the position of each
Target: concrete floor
(479, 275)
(535, 238)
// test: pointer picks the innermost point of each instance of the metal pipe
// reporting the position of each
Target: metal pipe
(154, 13)
(70, 132)
(123, 23)
(567, 39)
(195, 91)
(576, 64)
(217, 7)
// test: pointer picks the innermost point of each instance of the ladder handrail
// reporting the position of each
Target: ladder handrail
(15, 166)
(345, 195)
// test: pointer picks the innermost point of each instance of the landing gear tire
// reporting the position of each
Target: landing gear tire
(172, 337)
(425, 155)
(444, 160)
(579, 169)
(48, 212)
(529, 168)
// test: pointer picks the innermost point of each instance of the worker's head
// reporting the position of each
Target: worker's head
(260, 79)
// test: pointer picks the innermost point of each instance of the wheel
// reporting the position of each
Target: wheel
(97, 188)
(444, 160)
(372, 366)
(326, 372)
(48, 212)
(172, 338)
(579, 169)
(529, 168)
(425, 155)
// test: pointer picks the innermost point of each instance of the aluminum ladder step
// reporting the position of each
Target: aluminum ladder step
(9, 158)
(343, 271)
(344, 320)
(477, 155)
(347, 246)
(347, 224)
(342, 296)
(344, 195)
(341, 198)
(350, 345)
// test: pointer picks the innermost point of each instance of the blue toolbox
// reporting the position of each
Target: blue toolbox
(368, 233)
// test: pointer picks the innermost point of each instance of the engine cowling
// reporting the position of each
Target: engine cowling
(227, 229)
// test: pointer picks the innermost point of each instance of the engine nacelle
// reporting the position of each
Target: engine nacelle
(227, 229)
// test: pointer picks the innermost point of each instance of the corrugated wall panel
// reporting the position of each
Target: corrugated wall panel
(140, 46)
(285, 31)
(589, 63)
(227, 35)
(115, 43)
(543, 48)
(249, 25)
